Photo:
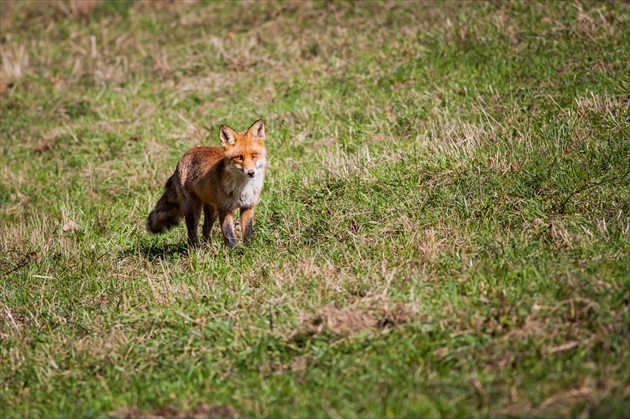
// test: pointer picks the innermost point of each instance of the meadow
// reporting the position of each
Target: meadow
(444, 229)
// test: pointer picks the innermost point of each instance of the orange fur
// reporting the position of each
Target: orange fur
(217, 180)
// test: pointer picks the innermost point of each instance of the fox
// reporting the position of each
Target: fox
(218, 180)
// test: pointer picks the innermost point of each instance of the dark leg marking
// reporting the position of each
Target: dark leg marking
(247, 223)
(227, 226)
(230, 239)
(249, 228)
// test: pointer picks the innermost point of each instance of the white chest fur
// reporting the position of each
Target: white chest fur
(243, 191)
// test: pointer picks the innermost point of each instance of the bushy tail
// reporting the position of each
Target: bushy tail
(167, 212)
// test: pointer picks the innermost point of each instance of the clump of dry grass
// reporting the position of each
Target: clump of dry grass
(344, 322)
(367, 315)
(83, 8)
(13, 65)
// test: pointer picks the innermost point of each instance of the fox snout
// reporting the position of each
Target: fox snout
(246, 171)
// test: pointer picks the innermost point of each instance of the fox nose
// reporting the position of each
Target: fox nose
(251, 173)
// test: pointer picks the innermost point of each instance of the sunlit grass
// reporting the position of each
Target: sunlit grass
(443, 230)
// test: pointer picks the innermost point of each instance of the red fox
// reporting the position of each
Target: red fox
(219, 180)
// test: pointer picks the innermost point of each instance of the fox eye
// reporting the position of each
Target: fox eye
(254, 155)
(239, 158)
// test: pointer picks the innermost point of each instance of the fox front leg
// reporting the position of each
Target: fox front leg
(247, 223)
(227, 226)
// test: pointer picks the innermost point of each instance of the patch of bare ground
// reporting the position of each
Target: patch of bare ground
(201, 411)
(367, 315)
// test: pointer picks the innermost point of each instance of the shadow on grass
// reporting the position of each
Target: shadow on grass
(154, 251)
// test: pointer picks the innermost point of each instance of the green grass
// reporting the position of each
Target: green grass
(444, 229)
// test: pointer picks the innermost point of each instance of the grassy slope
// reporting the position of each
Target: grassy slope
(460, 171)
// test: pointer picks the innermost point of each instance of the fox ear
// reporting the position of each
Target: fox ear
(228, 136)
(257, 130)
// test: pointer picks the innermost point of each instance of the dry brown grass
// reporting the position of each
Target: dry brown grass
(588, 392)
(366, 315)
(83, 8)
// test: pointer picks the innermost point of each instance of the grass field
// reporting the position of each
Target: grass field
(444, 229)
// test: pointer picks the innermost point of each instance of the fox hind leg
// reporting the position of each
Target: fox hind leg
(210, 216)
(192, 213)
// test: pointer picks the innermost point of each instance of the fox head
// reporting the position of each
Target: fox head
(245, 151)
